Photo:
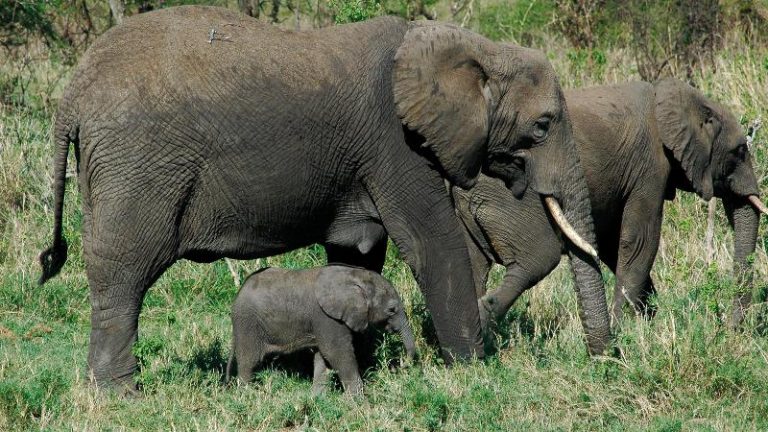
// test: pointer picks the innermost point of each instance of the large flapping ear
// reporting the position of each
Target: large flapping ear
(344, 302)
(688, 127)
(441, 92)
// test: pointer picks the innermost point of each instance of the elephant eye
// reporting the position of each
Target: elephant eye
(391, 310)
(541, 128)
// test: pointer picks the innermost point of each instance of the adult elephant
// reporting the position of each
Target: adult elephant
(201, 133)
(638, 144)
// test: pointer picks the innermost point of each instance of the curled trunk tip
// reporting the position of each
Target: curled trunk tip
(406, 333)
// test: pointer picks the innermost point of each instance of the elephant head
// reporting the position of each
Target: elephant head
(366, 298)
(474, 105)
(709, 155)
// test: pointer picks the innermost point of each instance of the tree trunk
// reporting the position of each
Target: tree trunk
(275, 10)
(298, 15)
(245, 7)
(117, 7)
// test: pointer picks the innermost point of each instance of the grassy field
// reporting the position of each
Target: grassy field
(682, 371)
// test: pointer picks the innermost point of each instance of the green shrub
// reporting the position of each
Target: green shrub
(346, 11)
(520, 21)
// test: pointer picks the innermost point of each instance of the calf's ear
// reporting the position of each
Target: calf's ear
(345, 303)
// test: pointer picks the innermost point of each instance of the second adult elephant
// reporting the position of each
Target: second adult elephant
(638, 144)
(201, 133)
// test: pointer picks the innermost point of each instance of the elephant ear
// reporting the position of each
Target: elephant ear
(688, 127)
(441, 92)
(344, 302)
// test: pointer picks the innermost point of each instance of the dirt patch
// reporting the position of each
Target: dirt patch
(39, 330)
(6, 333)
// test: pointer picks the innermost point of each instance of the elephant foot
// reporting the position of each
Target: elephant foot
(119, 383)
(127, 389)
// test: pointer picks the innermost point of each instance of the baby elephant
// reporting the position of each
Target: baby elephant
(280, 311)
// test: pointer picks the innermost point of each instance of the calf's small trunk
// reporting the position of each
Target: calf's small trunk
(400, 322)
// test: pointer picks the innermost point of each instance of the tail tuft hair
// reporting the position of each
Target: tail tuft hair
(52, 260)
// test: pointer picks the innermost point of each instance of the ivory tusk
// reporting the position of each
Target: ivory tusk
(755, 201)
(566, 228)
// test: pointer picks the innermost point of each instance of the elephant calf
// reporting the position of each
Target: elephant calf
(281, 311)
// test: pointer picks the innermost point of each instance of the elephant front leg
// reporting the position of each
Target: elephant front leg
(517, 280)
(639, 243)
(335, 346)
(419, 217)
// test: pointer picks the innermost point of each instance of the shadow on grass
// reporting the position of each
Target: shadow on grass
(374, 349)
(209, 358)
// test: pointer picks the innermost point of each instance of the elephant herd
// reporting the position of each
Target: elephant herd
(259, 141)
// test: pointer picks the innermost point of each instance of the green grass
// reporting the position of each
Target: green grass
(682, 371)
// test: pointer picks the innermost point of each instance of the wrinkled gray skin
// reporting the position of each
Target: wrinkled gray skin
(638, 144)
(281, 311)
(257, 141)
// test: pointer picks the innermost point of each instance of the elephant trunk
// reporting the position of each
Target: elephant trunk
(400, 323)
(590, 291)
(744, 219)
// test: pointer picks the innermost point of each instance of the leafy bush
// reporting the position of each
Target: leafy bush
(520, 21)
(20, 20)
(346, 11)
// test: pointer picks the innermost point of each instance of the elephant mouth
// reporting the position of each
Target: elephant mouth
(509, 168)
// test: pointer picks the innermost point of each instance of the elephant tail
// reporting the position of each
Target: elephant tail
(231, 365)
(53, 258)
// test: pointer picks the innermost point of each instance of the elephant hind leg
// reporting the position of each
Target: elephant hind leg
(248, 359)
(319, 374)
(123, 258)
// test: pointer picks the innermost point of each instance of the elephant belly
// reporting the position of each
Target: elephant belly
(226, 219)
(231, 220)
